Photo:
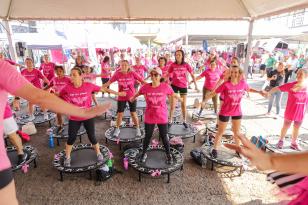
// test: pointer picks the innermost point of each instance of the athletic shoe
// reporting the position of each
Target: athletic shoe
(46, 116)
(31, 118)
(67, 162)
(279, 144)
(185, 125)
(214, 153)
(22, 158)
(169, 160)
(138, 132)
(116, 132)
(59, 130)
(100, 157)
(169, 124)
(143, 158)
(295, 146)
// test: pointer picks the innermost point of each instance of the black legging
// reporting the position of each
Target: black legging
(163, 133)
(288, 74)
(73, 127)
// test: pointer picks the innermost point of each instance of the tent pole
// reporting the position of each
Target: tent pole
(248, 53)
(9, 33)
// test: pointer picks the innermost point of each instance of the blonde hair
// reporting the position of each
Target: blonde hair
(298, 86)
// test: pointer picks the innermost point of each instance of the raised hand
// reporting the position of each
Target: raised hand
(97, 110)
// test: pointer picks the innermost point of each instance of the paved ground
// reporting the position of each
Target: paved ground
(193, 185)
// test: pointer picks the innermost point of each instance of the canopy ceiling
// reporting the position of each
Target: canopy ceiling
(145, 9)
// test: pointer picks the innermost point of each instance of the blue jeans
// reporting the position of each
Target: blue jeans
(277, 97)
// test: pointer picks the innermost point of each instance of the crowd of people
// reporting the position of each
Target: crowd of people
(164, 77)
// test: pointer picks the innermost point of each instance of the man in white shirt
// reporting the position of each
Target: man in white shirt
(290, 67)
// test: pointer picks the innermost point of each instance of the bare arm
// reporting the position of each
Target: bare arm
(134, 97)
(194, 80)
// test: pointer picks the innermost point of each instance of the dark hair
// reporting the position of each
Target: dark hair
(183, 57)
(77, 69)
(86, 66)
(59, 67)
(163, 58)
(106, 59)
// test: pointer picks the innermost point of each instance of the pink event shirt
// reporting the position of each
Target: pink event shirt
(140, 70)
(8, 111)
(297, 102)
(232, 97)
(211, 78)
(34, 77)
(156, 111)
(60, 83)
(48, 70)
(10, 81)
(81, 96)
(89, 78)
(126, 83)
(105, 73)
(179, 74)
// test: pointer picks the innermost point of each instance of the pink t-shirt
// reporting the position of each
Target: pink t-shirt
(164, 70)
(89, 78)
(297, 102)
(8, 111)
(232, 97)
(10, 62)
(211, 78)
(126, 83)
(179, 74)
(105, 73)
(140, 70)
(60, 83)
(81, 97)
(34, 77)
(156, 111)
(48, 70)
(10, 81)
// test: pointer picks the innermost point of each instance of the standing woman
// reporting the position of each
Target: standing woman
(179, 83)
(275, 79)
(106, 70)
(162, 61)
(34, 76)
(296, 106)
(126, 80)
(139, 69)
(79, 93)
(156, 112)
(233, 90)
(48, 68)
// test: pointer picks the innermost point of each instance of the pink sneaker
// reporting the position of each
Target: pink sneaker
(279, 144)
(295, 146)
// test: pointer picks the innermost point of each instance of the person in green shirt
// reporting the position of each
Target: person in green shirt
(270, 62)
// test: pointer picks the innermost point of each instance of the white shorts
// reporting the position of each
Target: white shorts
(10, 126)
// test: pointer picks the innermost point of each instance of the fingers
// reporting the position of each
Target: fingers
(233, 147)
(246, 142)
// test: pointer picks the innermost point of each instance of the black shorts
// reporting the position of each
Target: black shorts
(176, 89)
(105, 80)
(6, 176)
(122, 105)
(226, 118)
(262, 67)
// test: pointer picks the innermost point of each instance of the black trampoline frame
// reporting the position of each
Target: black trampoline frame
(52, 116)
(193, 133)
(63, 137)
(32, 157)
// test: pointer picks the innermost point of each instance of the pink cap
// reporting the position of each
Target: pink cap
(157, 70)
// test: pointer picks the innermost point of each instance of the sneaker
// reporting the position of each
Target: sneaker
(169, 160)
(100, 157)
(46, 116)
(279, 144)
(67, 162)
(138, 132)
(295, 146)
(59, 129)
(185, 125)
(143, 158)
(31, 118)
(22, 158)
(214, 153)
(116, 132)
(169, 124)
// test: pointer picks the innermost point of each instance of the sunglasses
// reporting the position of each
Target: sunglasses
(234, 66)
(154, 74)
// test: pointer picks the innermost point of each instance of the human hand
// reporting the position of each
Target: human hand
(122, 94)
(96, 110)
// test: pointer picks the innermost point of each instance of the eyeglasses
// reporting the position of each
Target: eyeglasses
(154, 74)
(234, 66)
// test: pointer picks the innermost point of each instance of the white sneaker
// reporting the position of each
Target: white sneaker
(46, 116)
(138, 132)
(31, 117)
(116, 132)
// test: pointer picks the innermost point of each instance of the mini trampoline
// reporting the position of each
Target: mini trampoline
(177, 114)
(64, 134)
(127, 135)
(211, 127)
(177, 129)
(126, 115)
(39, 118)
(224, 158)
(273, 140)
(31, 153)
(155, 164)
(206, 114)
(83, 157)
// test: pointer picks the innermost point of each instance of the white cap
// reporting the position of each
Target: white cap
(157, 70)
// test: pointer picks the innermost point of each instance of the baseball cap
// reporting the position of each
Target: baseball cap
(157, 70)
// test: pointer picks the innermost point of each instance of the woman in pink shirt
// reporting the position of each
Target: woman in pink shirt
(48, 68)
(34, 76)
(139, 69)
(90, 77)
(296, 106)
(156, 112)
(162, 65)
(126, 79)
(79, 93)
(179, 83)
(21, 87)
(233, 91)
(106, 70)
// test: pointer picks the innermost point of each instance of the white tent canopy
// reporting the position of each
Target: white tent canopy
(145, 9)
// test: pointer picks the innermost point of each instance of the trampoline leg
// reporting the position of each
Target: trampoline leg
(105, 115)
(34, 162)
(241, 170)
(61, 176)
(80, 138)
(58, 142)
(139, 176)
(120, 145)
(106, 141)
(212, 166)
(90, 175)
(49, 123)
(194, 139)
(168, 175)
(182, 167)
